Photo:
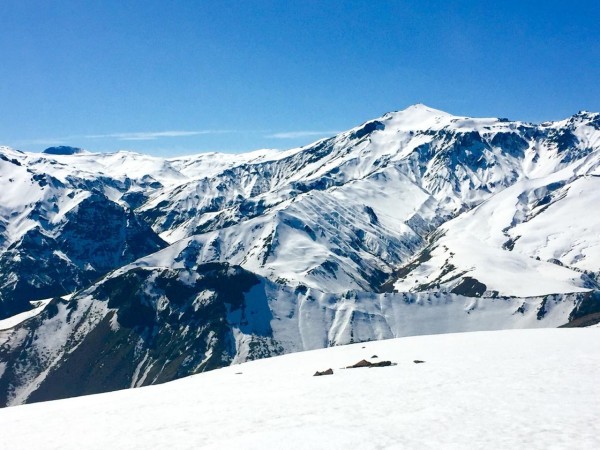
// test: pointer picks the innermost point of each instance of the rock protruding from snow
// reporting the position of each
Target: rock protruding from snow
(324, 372)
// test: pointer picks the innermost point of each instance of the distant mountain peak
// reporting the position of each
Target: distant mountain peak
(418, 117)
(417, 108)
(64, 150)
(423, 107)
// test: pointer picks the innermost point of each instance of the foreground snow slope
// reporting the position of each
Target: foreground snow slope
(504, 389)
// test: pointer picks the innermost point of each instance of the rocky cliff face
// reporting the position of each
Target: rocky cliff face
(57, 257)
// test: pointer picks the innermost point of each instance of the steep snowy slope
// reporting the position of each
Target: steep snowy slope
(533, 389)
(334, 240)
(542, 234)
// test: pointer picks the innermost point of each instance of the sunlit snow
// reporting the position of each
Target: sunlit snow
(507, 389)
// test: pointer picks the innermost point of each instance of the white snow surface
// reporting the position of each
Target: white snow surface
(534, 389)
(13, 321)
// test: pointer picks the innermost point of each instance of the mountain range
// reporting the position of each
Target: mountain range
(121, 270)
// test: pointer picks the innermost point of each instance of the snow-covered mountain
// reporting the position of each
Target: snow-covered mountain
(416, 222)
(534, 389)
(542, 232)
(61, 231)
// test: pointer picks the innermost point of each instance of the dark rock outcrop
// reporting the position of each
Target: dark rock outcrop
(365, 363)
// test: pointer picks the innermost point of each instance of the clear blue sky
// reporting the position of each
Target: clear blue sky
(178, 77)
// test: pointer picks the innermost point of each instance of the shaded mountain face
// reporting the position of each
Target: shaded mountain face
(415, 222)
(56, 257)
(141, 327)
(539, 233)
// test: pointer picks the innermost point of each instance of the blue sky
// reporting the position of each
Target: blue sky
(180, 77)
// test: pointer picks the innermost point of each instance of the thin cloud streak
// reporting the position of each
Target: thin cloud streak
(48, 141)
(301, 134)
(132, 136)
(153, 135)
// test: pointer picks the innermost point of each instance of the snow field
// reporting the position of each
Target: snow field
(503, 389)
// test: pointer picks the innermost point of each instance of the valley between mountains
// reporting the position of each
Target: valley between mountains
(123, 270)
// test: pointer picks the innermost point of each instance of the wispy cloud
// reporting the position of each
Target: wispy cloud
(48, 141)
(152, 135)
(131, 136)
(300, 134)
(155, 135)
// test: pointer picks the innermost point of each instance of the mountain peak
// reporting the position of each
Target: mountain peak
(418, 117)
(418, 108)
(423, 107)
(586, 115)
